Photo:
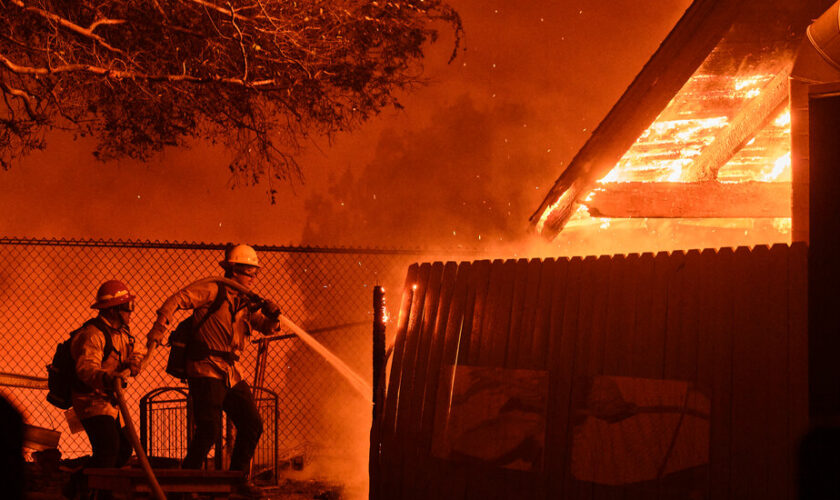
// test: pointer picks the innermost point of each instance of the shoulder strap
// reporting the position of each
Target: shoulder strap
(109, 343)
(214, 306)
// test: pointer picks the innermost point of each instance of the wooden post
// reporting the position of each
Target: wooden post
(378, 388)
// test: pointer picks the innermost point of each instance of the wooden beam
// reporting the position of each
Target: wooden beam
(681, 53)
(691, 199)
(753, 117)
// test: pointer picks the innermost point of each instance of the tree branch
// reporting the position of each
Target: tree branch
(218, 8)
(241, 41)
(23, 96)
(134, 75)
(87, 32)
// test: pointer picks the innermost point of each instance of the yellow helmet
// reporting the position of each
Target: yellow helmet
(241, 254)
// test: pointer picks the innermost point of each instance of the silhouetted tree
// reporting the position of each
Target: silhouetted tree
(254, 75)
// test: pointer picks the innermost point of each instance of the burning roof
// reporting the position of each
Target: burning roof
(708, 111)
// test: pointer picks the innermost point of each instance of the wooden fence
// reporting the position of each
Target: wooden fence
(680, 375)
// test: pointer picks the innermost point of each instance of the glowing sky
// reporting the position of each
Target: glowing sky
(465, 163)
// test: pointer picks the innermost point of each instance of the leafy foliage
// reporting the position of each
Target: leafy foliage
(255, 75)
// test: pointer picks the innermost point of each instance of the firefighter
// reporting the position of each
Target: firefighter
(103, 351)
(223, 317)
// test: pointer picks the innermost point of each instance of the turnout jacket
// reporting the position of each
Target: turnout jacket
(222, 332)
(87, 349)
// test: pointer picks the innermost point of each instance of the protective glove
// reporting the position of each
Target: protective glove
(109, 381)
(135, 367)
(156, 334)
(271, 310)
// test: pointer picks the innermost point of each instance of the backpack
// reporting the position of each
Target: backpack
(182, 339)
(61, 373)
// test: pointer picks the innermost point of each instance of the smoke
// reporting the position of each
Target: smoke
(466, 178)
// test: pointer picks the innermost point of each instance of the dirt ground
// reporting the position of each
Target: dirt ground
(46, 484)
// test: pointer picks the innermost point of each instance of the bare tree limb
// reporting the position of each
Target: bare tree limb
(88, 32)
(132, 75)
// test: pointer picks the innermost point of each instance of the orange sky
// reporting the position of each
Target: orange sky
(465, 163)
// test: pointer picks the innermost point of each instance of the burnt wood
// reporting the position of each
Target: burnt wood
(753, 117)
(691, 200)
(681, 53)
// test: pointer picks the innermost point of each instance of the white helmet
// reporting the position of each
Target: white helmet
(241, 254)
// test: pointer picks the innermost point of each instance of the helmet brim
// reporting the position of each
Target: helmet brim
(105, 304)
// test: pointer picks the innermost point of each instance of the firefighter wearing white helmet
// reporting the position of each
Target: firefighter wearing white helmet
(223, 319)
(242, 255)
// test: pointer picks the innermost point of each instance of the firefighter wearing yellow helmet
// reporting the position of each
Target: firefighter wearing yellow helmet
(223, 318)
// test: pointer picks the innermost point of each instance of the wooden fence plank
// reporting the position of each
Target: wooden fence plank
(776, 386)
(542, 278)
(648, 350)
(439, 294)
(470, 344)
(498, 319)
(620, 315)
(449, 477)
(636, 357)
(597, 335)
(618, 332)
(389, 418)
(748, 460)
(483, 271)
(562, 346)
(680, 364)
(797, 345)
(523, 304)
(725, 301)
(585, 346)
(552, 276)
(524, 484)
(404, 401)
(707, 343)
(487, 482)
(673, 330)
(389, 459)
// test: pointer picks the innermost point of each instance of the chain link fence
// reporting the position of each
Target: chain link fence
(47, 287)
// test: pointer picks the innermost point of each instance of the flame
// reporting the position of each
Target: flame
(780, 166)
(665, 151)
(783, 120)
(653, 157)
(750, 81)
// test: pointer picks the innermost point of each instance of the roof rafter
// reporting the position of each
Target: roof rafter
(684, 49)
(750, 119)
(708, 199)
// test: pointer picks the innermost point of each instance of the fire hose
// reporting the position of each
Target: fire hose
(135, 441)
(356, 381)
